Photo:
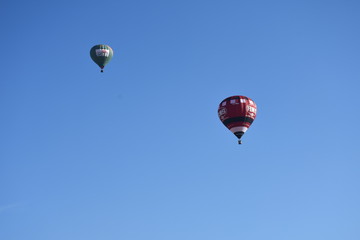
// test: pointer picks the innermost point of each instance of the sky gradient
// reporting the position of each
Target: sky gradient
(138, 152)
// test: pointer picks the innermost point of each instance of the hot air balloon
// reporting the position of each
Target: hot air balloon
(237, 114)
(101, 54)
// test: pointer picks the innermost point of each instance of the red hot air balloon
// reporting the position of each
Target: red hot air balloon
(237, 113)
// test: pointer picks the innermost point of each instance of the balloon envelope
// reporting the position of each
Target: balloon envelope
(101, 54)
(237, 113)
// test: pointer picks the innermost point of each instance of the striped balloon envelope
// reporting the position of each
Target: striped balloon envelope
(237, 113)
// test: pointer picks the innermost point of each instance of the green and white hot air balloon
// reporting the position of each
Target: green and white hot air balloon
(101, 54)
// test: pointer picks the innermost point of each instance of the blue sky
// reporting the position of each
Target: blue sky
(138, 152)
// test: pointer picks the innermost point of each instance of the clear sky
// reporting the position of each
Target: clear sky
(138, 152)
